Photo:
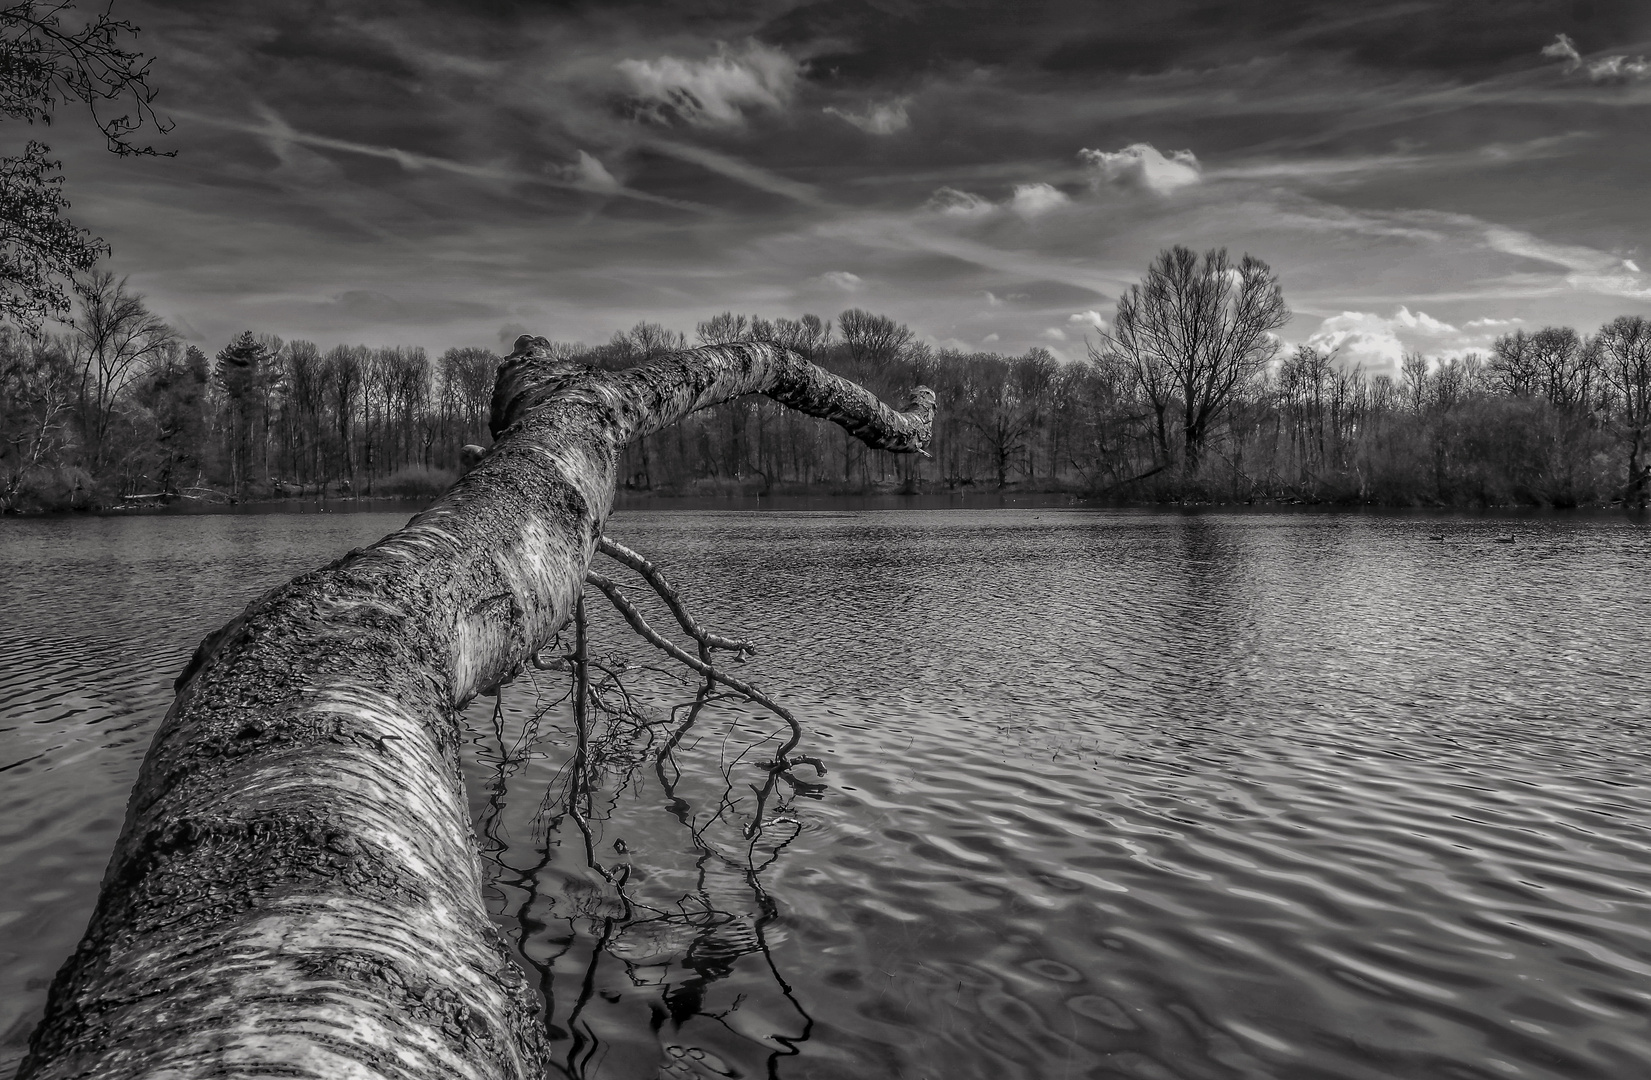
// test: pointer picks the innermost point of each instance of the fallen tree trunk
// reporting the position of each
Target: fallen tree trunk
(295, 891)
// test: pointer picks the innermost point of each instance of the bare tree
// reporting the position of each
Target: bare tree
(807, 335)
(1625, 350)
(721, 329)
(115, 338)
(347, 367)
(873, 340)
(1194, 333)
(466, 387)
(1413, 376)
(296, 889)
(1514, 368)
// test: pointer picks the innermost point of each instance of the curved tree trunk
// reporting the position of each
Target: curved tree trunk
(295, 891)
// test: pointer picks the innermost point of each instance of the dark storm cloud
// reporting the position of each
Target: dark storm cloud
(429, 171)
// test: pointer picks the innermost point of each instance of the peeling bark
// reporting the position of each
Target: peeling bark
(295, 891)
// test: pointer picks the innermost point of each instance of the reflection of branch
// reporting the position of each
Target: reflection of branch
(620, 735)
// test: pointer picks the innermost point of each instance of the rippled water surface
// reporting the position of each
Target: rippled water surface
(1109, 794)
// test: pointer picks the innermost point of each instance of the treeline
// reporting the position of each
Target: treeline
(119, 409)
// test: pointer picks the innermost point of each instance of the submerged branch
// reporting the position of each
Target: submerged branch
(623, 605)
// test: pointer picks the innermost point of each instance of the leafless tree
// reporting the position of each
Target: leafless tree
(115, 337)
(721, 329)
(873, 339)
(1625, 350)
(1193, 334)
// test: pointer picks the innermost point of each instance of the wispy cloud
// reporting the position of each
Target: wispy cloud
(742, 171)
(960, 204)
(1563, 49)
(586, 174)
(1590, 270)
(1615, 68)
(879, 119)
(717, 91)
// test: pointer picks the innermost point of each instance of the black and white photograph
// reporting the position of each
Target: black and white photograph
(825, 540)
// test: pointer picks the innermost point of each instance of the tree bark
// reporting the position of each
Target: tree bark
(295, 891)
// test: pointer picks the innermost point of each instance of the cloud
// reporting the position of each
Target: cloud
(955, 203)
(843, 280)
(1035, 200)
(884, 119)
(1591, 270)
(1141, 165)
(1563, 48)
(741, 171)
(1422, 322)
(715, 92)
(281, 133)
(591, 174)
(1379, 342)
(990, 338)
(1091, 319)
(1618, 68)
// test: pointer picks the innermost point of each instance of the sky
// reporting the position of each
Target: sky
(1420, 175)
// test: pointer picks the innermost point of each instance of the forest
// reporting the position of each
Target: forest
(116, 410)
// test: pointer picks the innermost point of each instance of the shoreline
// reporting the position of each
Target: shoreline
(840, 501)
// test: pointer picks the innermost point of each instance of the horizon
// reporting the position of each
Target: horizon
(1419, 177)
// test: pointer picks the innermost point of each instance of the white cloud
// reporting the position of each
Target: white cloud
(993, 299)
(989, 339)
(1054, 333)
(1091, 319)
(1379, 342)
(843, 280)
(1632, 265)
(717, 91)
(1035, 200)
(1422, 322)
(955, 203)
(1619, 69)
(1141, 165)
(884, 119)
(1563, 48)
(587, 172)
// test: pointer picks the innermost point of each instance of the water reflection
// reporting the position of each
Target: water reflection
(1204, 796)
(633, 925)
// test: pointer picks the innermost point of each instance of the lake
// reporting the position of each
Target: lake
(1108, 793)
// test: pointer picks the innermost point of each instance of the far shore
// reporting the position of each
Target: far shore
(839, 501)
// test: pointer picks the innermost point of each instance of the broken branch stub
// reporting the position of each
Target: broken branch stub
(295, 888)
